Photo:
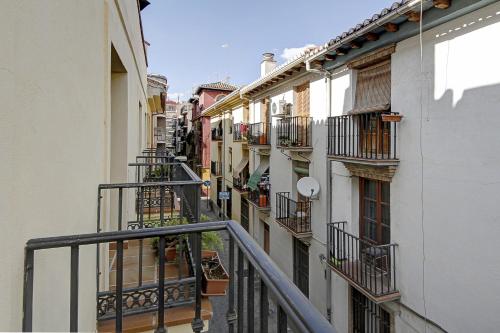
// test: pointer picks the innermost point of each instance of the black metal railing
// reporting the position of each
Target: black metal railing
(294, 215)
(260, 198)
(216, 168)
(294, 132)
(364, 136)
(240, 132)
(160, 134)
(248, 266)
(240, 184)
(259, 134)
(217, 134)
(370, 267)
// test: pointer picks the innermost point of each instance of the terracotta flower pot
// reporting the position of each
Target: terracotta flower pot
(211, 286)
(170, 253)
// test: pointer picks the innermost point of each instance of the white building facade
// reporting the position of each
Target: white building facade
(403, 125)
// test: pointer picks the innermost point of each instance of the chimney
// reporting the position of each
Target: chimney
(268, 63)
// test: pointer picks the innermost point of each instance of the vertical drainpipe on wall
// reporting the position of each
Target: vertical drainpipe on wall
(329, 195)
(328, 79)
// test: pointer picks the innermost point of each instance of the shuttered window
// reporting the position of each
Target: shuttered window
(302, 100)
(373, 88)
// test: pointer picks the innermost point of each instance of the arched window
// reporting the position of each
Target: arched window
(219, 97)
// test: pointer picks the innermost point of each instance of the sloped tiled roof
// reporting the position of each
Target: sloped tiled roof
(217, 86)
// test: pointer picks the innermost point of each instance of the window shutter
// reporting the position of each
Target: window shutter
(373, 88)
(302, 100)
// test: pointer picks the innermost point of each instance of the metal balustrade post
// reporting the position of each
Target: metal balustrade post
(231, 314)
(250, 298)
(120, 206)
(119, 286)
(73, 312)
(281, 320)
(241, 284)
(29, 259)
(162, 205)
(197, 323)
(160, 328)
(264, 307)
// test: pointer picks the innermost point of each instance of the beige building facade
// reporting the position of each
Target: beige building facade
(73, 86)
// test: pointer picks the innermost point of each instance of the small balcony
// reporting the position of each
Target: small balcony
(217, 134)
(260, 198)
(294, 133)
(368, 267)
(240, 184)
(368, 138)
(240, 132)
(295, 216)
(160, 134)
(216, 168)
(259, 134)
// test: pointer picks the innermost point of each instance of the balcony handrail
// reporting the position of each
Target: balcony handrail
(355, 258)
(296, 307)
(358, 238)
(294, 131)
(364, 136)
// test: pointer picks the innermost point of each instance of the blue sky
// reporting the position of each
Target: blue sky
(199, 41)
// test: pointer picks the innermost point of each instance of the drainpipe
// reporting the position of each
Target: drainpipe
(328, 80)
(329, 197)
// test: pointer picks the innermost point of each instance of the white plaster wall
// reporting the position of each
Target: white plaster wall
(444, 193)
(444, 205)
(54, 137)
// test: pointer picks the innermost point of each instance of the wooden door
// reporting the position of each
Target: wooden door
(375, 135)
(374, 213)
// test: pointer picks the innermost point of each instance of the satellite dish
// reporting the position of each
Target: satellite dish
(308, 187)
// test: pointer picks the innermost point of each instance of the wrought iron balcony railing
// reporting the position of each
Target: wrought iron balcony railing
(240, 184)
(294, 215)
(260, 198)
(217, 134)
(294, 132)
(240, 132)
(259, 134)
(368, 267)
(216, 168)
(294, 310)
(367, 137)
(160, 134)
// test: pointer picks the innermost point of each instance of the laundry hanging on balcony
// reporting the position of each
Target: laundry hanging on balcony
(237, 171)
(254, 179)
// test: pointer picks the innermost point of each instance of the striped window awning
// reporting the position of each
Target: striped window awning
(237, 171)
(373, 89)
(254, 180)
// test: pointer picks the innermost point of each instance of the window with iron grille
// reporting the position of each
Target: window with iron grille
(367, 316)
(244, 215)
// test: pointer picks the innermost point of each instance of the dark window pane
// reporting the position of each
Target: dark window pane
(385, 192)
(370, 189)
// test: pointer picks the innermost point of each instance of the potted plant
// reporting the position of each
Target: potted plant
(215, 278)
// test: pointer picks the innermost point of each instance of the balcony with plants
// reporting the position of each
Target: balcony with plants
(259, 134)
(294, 133)
(160, 265)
